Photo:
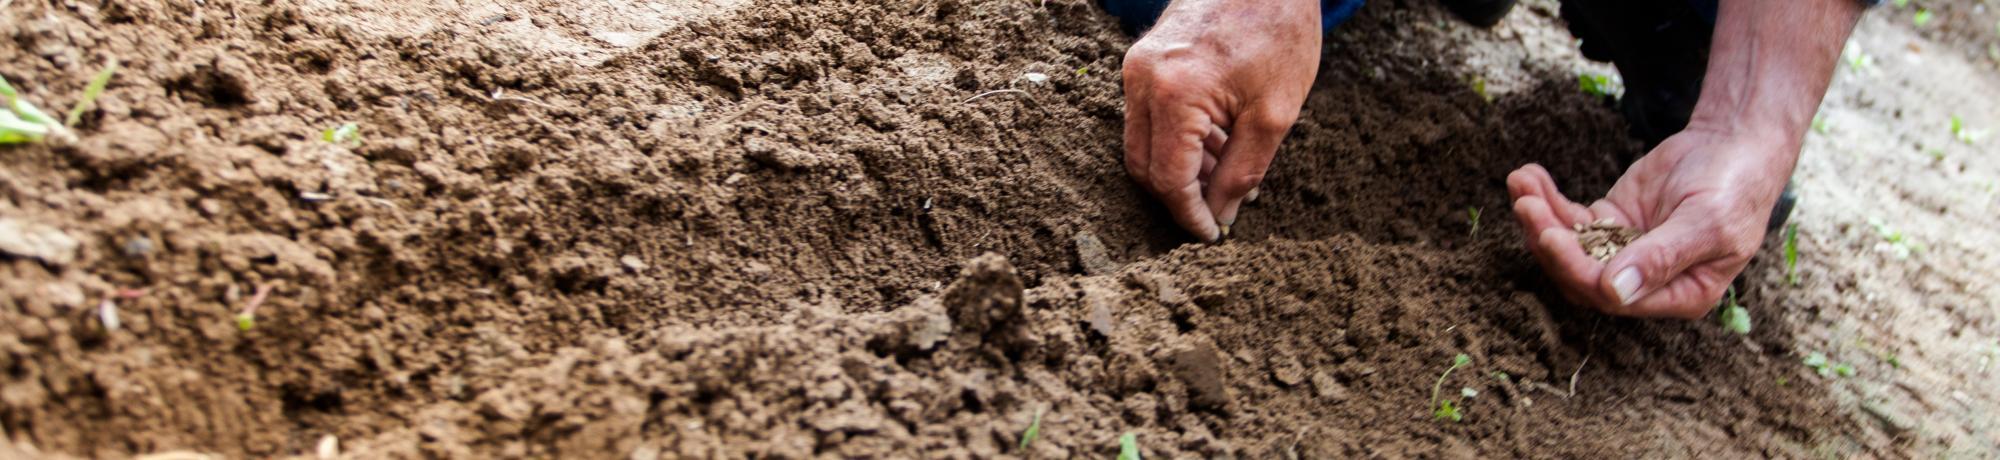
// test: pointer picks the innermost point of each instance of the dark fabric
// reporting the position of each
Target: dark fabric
(1138, 15)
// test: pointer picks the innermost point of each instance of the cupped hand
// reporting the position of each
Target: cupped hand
(1702, 198)
(1209, 93)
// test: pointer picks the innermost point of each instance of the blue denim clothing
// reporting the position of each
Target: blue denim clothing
(1137, 15)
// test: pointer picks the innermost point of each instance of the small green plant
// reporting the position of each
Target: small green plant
(1600, 85)
(1963, 134)
(90, 93)
(1445, 409)
(1895, 241)
(1923, 17)
(1857, 60)
(246, 321)
(1827, 368)
(1128, 447)
(1734, 317)
(22, 122)
(1479, 87)
(1902, 3)
(342, 134)
(1792, 253)
(1820, 125)
(1472, 214)
(1034, 430)
(1501, 376)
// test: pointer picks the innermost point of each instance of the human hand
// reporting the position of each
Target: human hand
(1702, 198)
(1209, 93)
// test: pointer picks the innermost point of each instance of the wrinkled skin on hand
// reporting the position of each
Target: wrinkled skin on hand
(1701, 197)
(1209, 94)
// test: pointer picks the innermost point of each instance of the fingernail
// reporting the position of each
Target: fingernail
(1252, 197)
(1225, 230)
(1627, 284)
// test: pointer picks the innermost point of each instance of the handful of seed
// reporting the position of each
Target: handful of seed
(1603, 239)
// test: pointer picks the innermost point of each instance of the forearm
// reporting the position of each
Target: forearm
(1769, 66)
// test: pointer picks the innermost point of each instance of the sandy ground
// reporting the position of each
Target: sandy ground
(791, 229)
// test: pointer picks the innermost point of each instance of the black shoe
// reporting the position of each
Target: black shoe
(1482, 13)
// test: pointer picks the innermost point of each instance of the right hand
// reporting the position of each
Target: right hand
(1209, 93)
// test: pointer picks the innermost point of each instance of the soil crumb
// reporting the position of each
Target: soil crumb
(1603, 239)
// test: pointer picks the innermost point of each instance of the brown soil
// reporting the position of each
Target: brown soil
(781, 228)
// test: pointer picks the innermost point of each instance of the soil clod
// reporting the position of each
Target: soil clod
(1200, 368)
(986, 296)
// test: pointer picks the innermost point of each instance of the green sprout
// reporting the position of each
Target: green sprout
(1479, 87)
(1827, 368)
(1820, 125)
(1902, 3)
(1922, 18)
(1857, 60)
(246, 321)
(1898, 243)
(91, 92)
(1968, 136)
(1128, 447)
(1599, 85)
(1034, 430)
(1792, 253)
(1081, 71)
(1472, 214)
(1501, 376)
(342, 134)
(1734, 317)
(1445, 408)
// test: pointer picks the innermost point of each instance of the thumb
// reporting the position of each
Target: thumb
(1657, 261)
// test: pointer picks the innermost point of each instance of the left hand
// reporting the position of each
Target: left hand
(1702, 198)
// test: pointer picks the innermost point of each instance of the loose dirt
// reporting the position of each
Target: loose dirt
(785, 228)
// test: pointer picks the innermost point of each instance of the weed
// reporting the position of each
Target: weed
(1922, 18)
(1445, 409)
(1827, 368)
(1034, 430)
(1472, 214)
(1600, 85)
(1792, 253)
(342, 134)
(1894, 240)
(90, 93)
(1734, 317)
(1857, 60)
(1963, 134)
(1128, 447)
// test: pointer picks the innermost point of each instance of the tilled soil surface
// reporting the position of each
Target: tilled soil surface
(801, 228)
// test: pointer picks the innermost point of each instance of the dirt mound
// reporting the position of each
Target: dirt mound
(765, 230)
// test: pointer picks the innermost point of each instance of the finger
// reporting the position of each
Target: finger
(1689, 296)
(1575, 272)
(1246, 157)
(1211, 146)
(1533, 180)
(1657, 259)
(1175, 164)
(1138, 131)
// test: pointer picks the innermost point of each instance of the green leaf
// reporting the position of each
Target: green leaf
(1447, 411)
(1128, 447)
(90, 93)
(7, 92)
(1473, 215)
(1819, 124)
(342, 134)
(1460, 360)
(14, 130)
(1843, 369)
(1598, 85)
(1923, 17)
(1792, 253)
(28, 111)
(1734, 317)
(1902, 3)
(1034, 430)
(245, 322)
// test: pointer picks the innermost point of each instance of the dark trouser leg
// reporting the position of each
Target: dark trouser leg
(1661, 49)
